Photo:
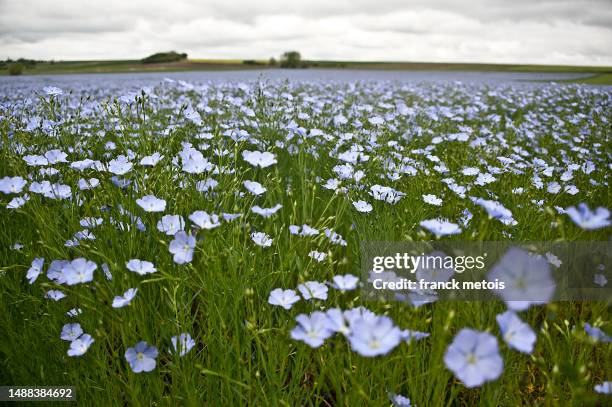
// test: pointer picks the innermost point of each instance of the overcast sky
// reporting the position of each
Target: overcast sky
(577, 32)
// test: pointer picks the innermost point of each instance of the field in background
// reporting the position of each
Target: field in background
(601, 75)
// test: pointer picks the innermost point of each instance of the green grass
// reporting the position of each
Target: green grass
(123, 66)
(599, 79)
(244, 355)
(110, 66)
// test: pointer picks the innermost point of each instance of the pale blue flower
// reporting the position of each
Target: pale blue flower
(182, 247)
(374, 337)
(432, 200)
(254, 187)
(125, 299)
(228, 217)
(516, 333)
(316, 255)
(35, 269)
(587, 219)
(337, 321)
(283, 298)
(600, 280)
(18, 201)
(346, 282)
(258, 158)
(193, 116)
(119, 166)
(205, 221)
(142, 357)
(182, 343)
(151, 204)
(441, 227)
(56, 156)
(55, 295)
(603, 388)
(79, 271)
(313, 329)
(496, 210)
(474, 357)
(151, 160)
(313, 290)
(53, 91)
(261, 239)
(400, 401)
(409, 335)
(71, 331)
(79, 346)
(387, 194)
(303, 230)
(362, 206)
(527, 277)
(266, 212)
(12, 185)
(141, 267)
(170, 224)
(597, 334)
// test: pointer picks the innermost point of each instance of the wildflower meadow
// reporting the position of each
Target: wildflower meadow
(198, 243)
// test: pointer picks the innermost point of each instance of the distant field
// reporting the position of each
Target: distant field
(601, 75)
(73, 67)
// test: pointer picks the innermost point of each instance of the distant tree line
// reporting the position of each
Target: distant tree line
(18, 66)
(162, 57)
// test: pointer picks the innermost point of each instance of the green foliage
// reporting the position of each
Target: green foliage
(162, 57)
(291, 59)
(16, 68)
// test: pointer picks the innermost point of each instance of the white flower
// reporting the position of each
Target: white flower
(170, 224)
(258, 158)
(313, 329)
(151, 204)
(205, 221)
(374, 336)
(362, 206)
(120, 166)
(79, 346)
(432, 200)
(12, 185)
(79, 271)
(387, 194)
(283, 298)
(441, 227)
(182, 247)
(266, 212)
(346, 282)
(318, 256)
(35, 269)
(313, 290)
(53, 91)
(261, 239)
(254, 187)
(603, 388)
(141, 267)
(151, 160)
(125, 299)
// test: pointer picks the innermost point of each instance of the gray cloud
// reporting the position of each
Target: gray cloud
(520, 31)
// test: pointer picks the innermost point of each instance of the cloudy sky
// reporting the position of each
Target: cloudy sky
(577, 32)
